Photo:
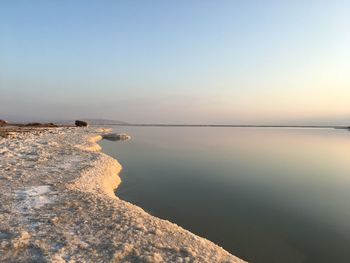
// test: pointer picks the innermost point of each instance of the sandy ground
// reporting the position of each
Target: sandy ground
(57, 205)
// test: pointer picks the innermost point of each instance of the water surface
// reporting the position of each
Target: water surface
(265, 195)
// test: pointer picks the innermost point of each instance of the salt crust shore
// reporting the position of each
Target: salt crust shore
(57, 204)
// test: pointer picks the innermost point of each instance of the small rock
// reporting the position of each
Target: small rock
(3, 122)
(79, 123)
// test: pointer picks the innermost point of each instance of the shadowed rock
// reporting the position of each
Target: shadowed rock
(3, 122)
(79, 123)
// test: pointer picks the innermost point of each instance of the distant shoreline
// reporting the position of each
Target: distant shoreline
(232, 126)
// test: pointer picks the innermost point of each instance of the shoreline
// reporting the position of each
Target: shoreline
(261, 126)
(60, 206)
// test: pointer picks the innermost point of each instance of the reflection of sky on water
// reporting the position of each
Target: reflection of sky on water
(266, 195)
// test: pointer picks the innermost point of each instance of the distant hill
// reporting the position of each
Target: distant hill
(25, 119)
(103, 121)
(94, 121)
(13, 118)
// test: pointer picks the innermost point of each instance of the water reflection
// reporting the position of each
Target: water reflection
(264, 195)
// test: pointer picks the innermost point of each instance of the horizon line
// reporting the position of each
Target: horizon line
(231, 125)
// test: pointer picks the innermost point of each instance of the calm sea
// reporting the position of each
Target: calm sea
(265, 195)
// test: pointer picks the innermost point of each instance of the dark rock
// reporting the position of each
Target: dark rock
(3, 122)
(81, 123)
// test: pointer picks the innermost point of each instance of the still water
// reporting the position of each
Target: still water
(265, 195)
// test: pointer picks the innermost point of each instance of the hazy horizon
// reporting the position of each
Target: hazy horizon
(176, 62)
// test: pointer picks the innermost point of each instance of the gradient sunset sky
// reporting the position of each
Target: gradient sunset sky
(176, 61)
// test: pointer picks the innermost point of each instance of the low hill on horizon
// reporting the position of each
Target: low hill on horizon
(91, 121)
(26, 119)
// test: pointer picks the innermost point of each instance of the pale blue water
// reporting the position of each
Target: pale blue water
(265, 195)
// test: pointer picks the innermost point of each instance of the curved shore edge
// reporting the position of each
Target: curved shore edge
(103, 177)
(60, 206)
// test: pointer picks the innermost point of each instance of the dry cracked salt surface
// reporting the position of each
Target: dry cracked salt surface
(57, 205)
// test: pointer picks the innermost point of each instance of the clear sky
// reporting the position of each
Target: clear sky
(176, 61)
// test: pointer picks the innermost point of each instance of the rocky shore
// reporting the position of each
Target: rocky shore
(57, 204)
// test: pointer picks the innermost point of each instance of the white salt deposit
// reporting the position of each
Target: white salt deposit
(34, 196)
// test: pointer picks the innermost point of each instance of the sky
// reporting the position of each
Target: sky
(183, 61)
